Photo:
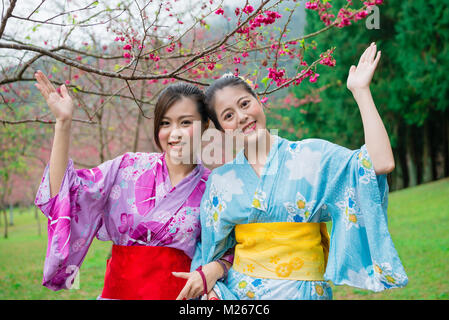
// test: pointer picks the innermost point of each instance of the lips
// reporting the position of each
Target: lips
(250, 127)
(176, 144)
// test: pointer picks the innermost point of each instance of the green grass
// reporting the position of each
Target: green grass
(22, 257)
(418, 221)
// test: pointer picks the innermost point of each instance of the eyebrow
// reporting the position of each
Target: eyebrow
(238, 101)
(181, 117)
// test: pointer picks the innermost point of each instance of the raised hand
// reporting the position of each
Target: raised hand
(60, 104)
(360, 77)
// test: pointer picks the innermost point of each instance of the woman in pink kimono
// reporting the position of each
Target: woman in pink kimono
(147, 204)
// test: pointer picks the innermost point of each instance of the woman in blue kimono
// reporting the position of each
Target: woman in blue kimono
(272, 206)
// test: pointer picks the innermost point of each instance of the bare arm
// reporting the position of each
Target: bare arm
(376, 137)
(61, 105)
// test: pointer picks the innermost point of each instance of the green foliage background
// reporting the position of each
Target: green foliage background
(409, 87)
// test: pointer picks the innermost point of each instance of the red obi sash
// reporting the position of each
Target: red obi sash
(144, 273)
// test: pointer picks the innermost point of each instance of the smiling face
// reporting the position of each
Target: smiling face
(177, 129)
(239, 111)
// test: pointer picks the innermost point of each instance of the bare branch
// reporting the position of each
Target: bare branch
(7, 16)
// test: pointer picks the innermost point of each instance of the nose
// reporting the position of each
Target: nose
(242, 116)
(176, 133)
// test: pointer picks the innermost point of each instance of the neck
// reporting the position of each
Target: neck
(257, 151)
(178, 171)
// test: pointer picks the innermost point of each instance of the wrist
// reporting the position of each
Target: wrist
(63, 124)
(360, 91)
(224, 268)
(212, 270)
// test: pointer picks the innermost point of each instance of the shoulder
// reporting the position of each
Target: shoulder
(140, 160)
(311, 143)
(317, 149)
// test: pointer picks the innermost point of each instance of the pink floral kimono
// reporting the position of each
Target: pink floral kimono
(128, 200)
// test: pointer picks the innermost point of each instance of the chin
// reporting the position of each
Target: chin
(177, 157)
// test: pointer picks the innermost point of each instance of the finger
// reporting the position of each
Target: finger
(363, 56)
(194, 292)
(184, 275)
(376, 61)
(42, 91)
(49, 86)
(352, 69)
(182, 295)
(372, 52)
(40, 77)
(64, 91)
(40, 81)
(183, 291)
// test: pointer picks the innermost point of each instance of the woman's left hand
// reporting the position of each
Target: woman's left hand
(360, 77)
(194, 286)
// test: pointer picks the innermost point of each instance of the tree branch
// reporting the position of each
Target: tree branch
(7, 16)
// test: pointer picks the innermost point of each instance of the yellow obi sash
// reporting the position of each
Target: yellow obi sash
(282, 250)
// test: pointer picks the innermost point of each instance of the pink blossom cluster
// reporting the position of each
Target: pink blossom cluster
(154, 57)
(170, 48)
(270, 18)
(277, 76)
(372, 3)
(248, 9)
(303, 75)
(311, 5)
(327, 59)
(322, 9)
(132, 41)
(344, 16)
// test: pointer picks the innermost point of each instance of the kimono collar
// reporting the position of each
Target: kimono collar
(198, 171)
(272, 158)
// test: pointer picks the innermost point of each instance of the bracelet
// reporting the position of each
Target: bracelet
(225, 270)
(200, 270)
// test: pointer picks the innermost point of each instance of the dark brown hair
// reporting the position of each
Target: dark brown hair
(172, 94)
(228, 80)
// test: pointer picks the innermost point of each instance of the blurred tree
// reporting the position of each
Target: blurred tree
(116, 56)
(409, 88)
(15, 141)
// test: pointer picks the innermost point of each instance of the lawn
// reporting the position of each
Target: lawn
(418, 221)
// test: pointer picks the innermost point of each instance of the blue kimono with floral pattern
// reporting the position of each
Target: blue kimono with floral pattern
(336, 184)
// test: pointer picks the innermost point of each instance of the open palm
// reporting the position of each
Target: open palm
(60, 104)
(360, 77)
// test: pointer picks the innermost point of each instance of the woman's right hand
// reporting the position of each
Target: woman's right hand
(60, 104)
(212, 295)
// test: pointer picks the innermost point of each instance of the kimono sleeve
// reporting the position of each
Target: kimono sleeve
(216, 241)
(74, 218)
(361, 251)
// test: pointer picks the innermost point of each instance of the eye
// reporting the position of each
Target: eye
(164, 123)
(245, 103)
(186, 123)
(227, 116)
